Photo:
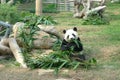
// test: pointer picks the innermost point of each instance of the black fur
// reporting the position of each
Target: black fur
(64, 31)
(68, 45)
(74, 47)
(75, 29)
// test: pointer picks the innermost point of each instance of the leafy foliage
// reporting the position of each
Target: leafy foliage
(9, 13)
(58, 60)
(50, 8)
(2, 31)
(23, 1)
(57, 45)
(27, 36)
(95, 19)
(29, 30)
(46, 20)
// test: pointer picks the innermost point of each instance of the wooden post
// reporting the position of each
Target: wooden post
(65, 4)
(38, 7)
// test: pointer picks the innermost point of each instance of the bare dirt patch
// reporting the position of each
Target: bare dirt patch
(108, 51)
(41, 74)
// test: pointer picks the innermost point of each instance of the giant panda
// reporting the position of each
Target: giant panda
(69, 36)
(68, 42)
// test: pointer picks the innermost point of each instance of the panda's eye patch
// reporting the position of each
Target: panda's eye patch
(74, 35)
(67, 36)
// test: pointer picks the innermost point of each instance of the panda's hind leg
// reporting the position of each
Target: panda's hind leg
(78, 57)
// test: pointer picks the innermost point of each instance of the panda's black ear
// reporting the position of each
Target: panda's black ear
(75, 29)
(64, 31)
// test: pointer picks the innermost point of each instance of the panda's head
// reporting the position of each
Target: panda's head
(70, 34)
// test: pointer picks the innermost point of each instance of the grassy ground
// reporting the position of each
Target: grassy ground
(100, 41)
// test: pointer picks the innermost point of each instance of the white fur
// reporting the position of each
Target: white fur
(70, 32)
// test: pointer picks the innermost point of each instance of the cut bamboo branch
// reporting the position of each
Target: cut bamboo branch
(17, 52)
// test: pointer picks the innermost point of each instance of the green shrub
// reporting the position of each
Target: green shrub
(50, 8)
(95, 19)
(23, 1)
(9, 13)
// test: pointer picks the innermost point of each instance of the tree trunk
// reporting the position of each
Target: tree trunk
(38, 7)
(11, 2)
(8, 26)
(3, 1)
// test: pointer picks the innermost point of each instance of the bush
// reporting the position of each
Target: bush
(9, 13)
(50, 8)
(95, 19)
(23, 1)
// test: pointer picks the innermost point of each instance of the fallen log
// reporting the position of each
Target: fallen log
(4, 47)
(8, 26)
(11, 45)
(113, 1)
(51, 30)
(88, 7)
(4, 50)
(44, 43)
(4, 41)
(17, 52)
(94, 10)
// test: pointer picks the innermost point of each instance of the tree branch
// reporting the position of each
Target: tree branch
(17, 52)
(8, 26)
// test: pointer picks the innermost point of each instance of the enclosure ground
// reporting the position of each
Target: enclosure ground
(40, 74)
